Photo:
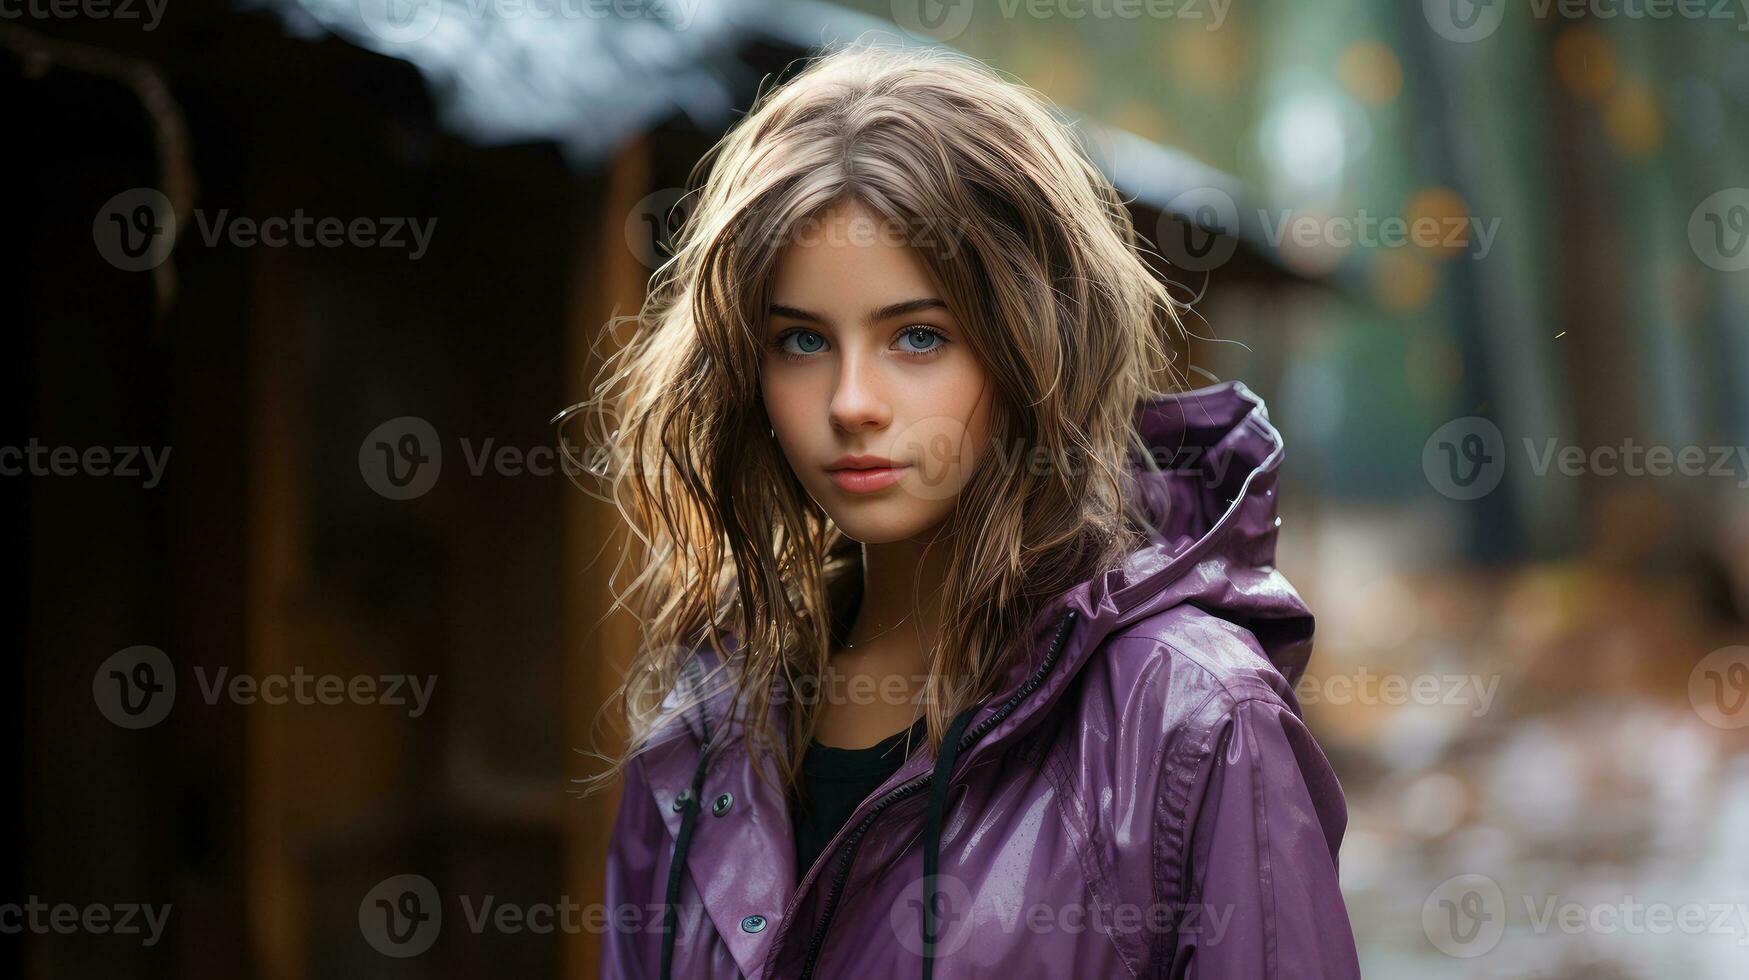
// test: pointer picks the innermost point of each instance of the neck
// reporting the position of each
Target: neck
(901, 602)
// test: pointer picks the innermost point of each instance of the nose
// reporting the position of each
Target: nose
(860, 401)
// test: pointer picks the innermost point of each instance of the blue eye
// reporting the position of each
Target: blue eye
(929, 335)
(810, 346)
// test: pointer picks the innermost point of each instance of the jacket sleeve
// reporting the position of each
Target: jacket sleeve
(636, 862)
(1260, 837)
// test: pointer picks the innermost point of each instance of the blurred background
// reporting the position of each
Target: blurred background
(306, 601)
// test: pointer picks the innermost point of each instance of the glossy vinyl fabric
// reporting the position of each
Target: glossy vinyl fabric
(1150, 803)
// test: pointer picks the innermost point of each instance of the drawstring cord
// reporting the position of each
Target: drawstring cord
(688, 805)
(688, 802)
(944, 760)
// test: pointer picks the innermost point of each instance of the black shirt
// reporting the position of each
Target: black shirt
(836, 782)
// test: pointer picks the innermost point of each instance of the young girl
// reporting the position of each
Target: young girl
(965, 653)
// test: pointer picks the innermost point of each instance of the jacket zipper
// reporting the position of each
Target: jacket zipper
(911, 788)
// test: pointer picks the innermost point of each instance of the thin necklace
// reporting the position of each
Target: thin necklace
(851, 646)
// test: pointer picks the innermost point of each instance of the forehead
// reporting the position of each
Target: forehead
(846, 258)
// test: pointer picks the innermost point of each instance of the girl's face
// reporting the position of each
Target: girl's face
(863, 359)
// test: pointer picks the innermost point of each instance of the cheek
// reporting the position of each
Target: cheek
(950, 435)
(978, 429)
(786, 406)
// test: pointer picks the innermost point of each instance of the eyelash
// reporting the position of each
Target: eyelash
(781, 339)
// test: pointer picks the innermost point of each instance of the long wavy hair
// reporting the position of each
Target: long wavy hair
(1038, 259)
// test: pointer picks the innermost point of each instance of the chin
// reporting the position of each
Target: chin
(881, 522)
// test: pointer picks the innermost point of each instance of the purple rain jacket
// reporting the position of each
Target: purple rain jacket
(1140, 797)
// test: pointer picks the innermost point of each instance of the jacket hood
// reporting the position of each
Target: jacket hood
(1213, 503)
(1209, 489)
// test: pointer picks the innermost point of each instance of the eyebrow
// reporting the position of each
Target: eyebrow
(875, 316)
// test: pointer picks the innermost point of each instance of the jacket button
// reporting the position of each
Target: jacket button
(721, 805)
(684, 798)
(753, 923)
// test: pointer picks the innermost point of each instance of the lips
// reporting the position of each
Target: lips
(865, 474)
(867, 481)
